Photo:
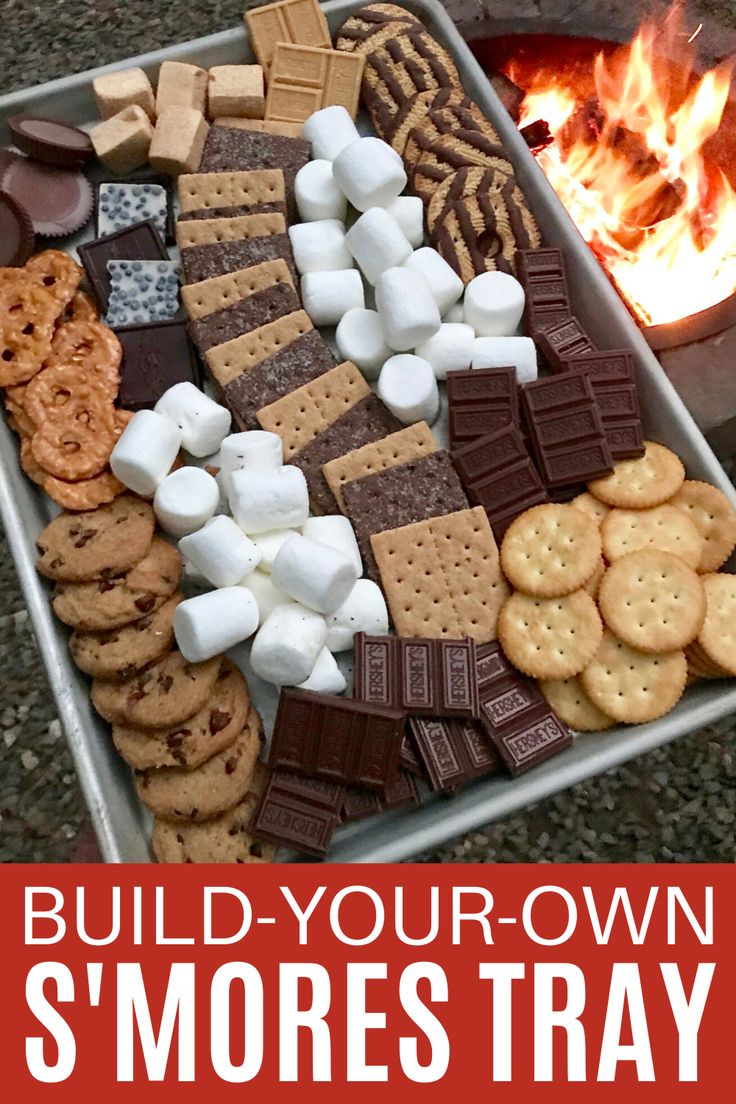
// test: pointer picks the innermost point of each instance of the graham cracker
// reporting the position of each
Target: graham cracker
(229, 360)
(199, 191)
(208, 231)
(261, 126)
(208, 296)
(398, 448)
(304, 79)
(301, 415)
(455, 561)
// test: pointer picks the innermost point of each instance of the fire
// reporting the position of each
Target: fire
(630, 169)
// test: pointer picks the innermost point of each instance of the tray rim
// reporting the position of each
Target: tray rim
(500, 797)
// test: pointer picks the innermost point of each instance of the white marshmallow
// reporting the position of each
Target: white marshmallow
(359, 337)
(314, 574)
(329, 131)
(278, 499)
(408, 310)
(320, 246)
(377, 242)
(408, 386)
(317, 194)
(409, 213)
(327, 296)
(370, 173)
(265, 593)
(220, 552)
(450, 350)
(193, 575)
(256, 450)
(208, 624)
(203, 422)
(335, 531)
(364, 610)
(269, 545)
(286, 646)
(456, 313)
(494, 304)
(147, 448)
(446, 285)
(507, 352)
(185, 500)
(326, 676)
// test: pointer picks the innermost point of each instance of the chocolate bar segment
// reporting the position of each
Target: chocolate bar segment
(560, 342)
(481, 401)
(518, 720)
(566, 430)
(499, 475)
(361, 803)
(452, 751)
(141, 242)
(298, 812)
(547, 300)
(156, 355)
(427, 677)
(338, 739)
(612, 377)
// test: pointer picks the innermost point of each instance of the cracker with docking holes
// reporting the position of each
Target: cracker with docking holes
(286, 21)
(118, 654)
(652, 601)
(304, 79)
(220, 292)
(591, 506)
(713, 516)
(228, 361)
(244, 188)
(164, 695)
(550, 550)
(573, 706)
(638, 484)
(664, 528)
(593, 584)
(193, 232)
(407, 444)
(109, 540)
(550, 638)
(442, 577)
(717, 637)
(301, 415)
(634, 687)
(700, 662)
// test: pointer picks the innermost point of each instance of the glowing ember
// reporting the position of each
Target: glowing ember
(630, 169)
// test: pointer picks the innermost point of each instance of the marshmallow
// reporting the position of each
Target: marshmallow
(314, 574)
(456, 313)
(326, 676)
(203, 422)
(409, 213)
(220, 552)
(335, 531)
(364, 610)
(494, 304)
(450, 350)
(408, 310)
(408, 386)
(265, 593)
(208, 624)
(327, 296)
(370, 173)
(265, 500)
(185, 500)
(320, 246)
(377, 242)
(255, 450)
(503, 352)
(446, 285)
(359, 337)
(286, 646)
(317, 194)
(147, 448)
(269, 545)
(329, 131)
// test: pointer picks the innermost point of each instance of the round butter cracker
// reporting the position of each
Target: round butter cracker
(573, 706)
(647, 481)
(713, 516)
(664, 528)
(550, 550)
(652, 601)
(550, 638)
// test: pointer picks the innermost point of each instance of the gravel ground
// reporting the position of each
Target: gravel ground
(677, 804)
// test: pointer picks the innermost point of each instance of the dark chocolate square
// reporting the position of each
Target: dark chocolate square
(156, 355)
(141, 242)
(247, 314)
(201, 262)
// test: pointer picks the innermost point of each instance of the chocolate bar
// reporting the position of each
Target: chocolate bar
(141, 242)
(612, 377)
(304, 79)
(452, 751)
(498, 475)
(481, 401)
(424, 677)
(566, 430)
(408, 757)
(517, 719)
(298, 812)
(156, 355)
(338, 739)
(361, 803)
(560, 342)
(547, 301)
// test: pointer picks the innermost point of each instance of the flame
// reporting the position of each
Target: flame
(631, 171)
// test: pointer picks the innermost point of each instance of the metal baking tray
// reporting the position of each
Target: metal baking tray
(121, 824)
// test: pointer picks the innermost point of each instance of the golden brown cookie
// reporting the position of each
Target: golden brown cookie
(631, 686)
(550, 638)
(108, 540)
(573, 706)
(413, 111)
(118, 654)
(661, 527)
(639, 484)
(164, 695)
(717, 636)
(371, 25)
(550, 550)
(652, 601)
(713, 516)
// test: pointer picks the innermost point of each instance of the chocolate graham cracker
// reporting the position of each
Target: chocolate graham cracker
(398, 448)
(456, 563)
(301, 415)
(228, 360)
(278, 208)
(208, 231)
(423, 488)
(205, 191)
(219, 292)
(366, 421)
(228, 149)
(287, 369)
(202, 262)
(248, 314)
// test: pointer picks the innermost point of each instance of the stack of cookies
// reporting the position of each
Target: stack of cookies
(189, 730)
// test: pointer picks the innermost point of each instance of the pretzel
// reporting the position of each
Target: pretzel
(77, 445)
(28, 314)
(89, 344)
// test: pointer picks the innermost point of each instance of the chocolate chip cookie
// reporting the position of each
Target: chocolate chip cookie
(110, 539)
(118, 654)
(165, 695)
